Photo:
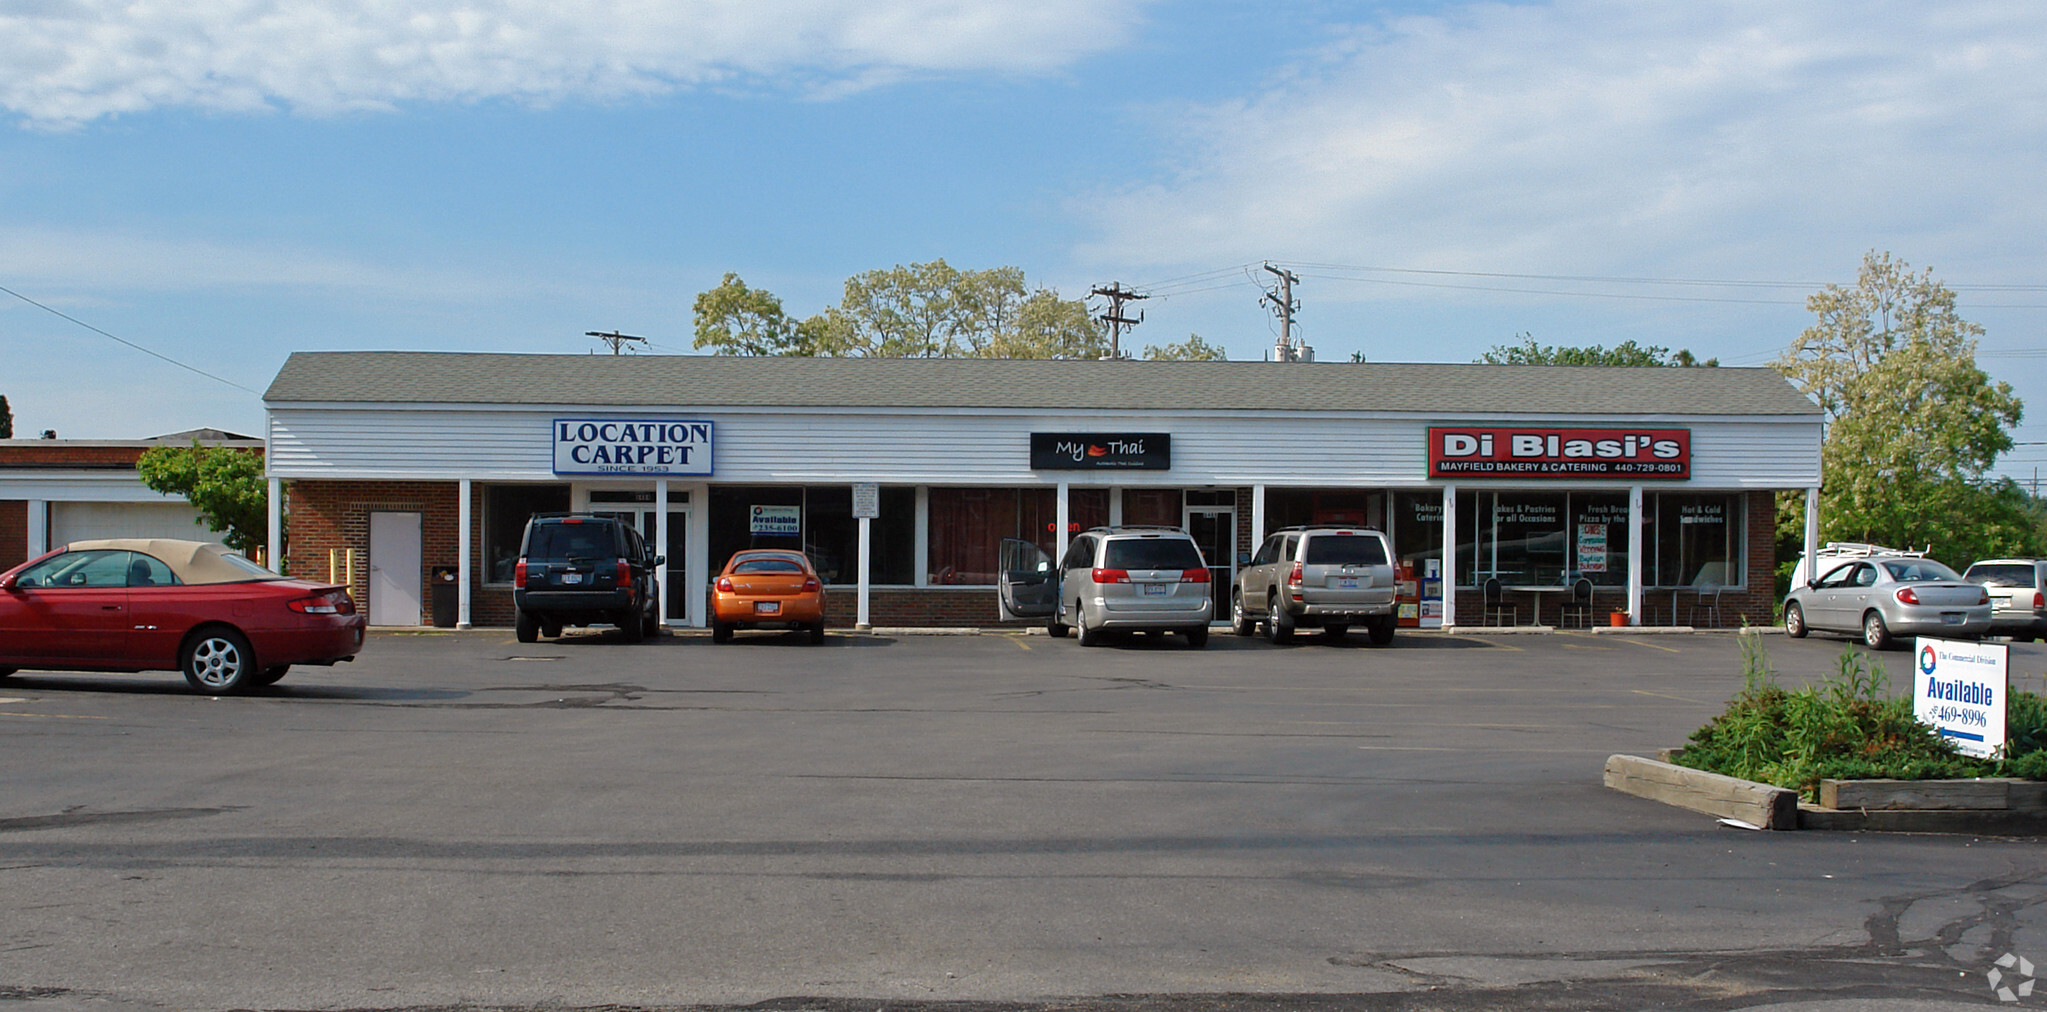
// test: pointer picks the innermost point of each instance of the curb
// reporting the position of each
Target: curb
(2005, 807)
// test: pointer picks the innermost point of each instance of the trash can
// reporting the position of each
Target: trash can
(447, 596)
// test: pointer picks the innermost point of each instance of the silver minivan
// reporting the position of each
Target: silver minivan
(2018, 596)
(1329, 578)
(1112, 579)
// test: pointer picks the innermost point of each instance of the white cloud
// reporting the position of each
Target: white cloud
(65, 62)
(1600, 135)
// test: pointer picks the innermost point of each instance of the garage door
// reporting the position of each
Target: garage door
(81, 521)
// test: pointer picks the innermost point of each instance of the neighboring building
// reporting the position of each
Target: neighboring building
(56, 491)
(422, 460)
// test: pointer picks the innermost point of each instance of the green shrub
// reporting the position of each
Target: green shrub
(1848, 727)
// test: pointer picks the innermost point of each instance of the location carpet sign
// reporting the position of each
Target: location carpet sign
(1959, 692)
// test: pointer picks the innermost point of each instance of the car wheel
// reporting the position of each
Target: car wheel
(526, 628)
(218, 661)
(271, 675)
(650, 624)
(1089, 636)
(721, 632)
(1197, 637)
(1794, 621)
(1875, 634)
(816, 633)
(1381, 631)
(1334, 632)
(1279, 626)
(1241, 623)
(629, 624)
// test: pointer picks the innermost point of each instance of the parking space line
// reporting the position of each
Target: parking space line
(1652, 646)
(62, 716)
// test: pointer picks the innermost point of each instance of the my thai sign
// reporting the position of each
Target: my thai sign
(654, 446)
(1959, 691)
(1541, 452)
(1089, 451)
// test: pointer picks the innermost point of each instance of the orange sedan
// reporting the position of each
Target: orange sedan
(763, 587)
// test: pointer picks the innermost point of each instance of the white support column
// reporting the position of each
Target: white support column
(1115, 505)
(464, 564)
(1257, 516)
(1449, 557)
(866, 574)
(921, 549)
(39, 527)
(699, 563)
(661, 545)
(1812, 531)
(1635, 588)
(1060, 541)
(274, 544)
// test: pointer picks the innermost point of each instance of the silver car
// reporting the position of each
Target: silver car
(2018, 596)
(1328, 578)
(1112, 579)
(1887, 597)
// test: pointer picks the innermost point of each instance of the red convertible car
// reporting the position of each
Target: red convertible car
(155, 604)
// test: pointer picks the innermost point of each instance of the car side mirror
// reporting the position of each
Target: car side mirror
(659, 560)
(1044, 565)
(7, 582)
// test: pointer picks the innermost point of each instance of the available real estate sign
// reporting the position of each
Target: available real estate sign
(1959, 690)
(1482, 451)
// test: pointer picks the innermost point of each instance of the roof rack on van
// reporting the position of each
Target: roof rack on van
(1861, 550)
(1139, 527)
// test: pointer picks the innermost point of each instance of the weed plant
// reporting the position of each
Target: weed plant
(1848, 727)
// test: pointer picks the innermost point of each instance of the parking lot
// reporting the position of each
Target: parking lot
(460, 820)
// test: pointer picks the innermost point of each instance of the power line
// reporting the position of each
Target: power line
(1114, 318)
(131, 344)
(615, 339)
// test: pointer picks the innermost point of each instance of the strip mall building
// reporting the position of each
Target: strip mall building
(913, 482)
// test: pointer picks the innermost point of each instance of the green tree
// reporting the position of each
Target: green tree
(6, 419)
(1194, 349)
(1913, 426)
(224, 484)
(927, 310)
(737, 320)
(1626, 353)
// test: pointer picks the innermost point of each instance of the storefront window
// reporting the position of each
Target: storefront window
(1296, 507)
(1698, 540)
(1417, 527)
(505, 511)
(968, 526)
(831, 535)
(1542, 539)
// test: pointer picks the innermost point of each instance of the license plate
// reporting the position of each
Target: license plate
(1951, 618)
(767, 607)
(572, 578)
(1346, 583)
(1155, 590)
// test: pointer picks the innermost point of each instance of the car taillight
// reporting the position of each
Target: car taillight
(519, 575)
(811, 585)
(725, 585)
(1194, 575)
(1293, 575)
(1908, 596)
(625, 572)
(1110, 576)
(2039, 601)
(323, 604)
(1985, 597)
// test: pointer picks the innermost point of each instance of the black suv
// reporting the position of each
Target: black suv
(578, 569)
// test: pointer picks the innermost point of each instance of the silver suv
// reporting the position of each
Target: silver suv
(1112, 579)
(1329, 578)
(2018, 596)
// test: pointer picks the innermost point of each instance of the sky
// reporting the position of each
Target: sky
(202, 188)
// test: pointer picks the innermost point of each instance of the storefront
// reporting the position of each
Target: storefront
(56, 491)
(903, 478)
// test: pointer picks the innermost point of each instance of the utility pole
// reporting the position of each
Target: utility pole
(615, 339)
(1114, 318)
(1284, 305)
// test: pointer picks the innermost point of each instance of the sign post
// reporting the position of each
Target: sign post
(1959, 691)
(866, 507)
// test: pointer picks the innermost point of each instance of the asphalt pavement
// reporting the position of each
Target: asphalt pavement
(992, 822)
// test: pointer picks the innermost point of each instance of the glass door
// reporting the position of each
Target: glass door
(1215, 532)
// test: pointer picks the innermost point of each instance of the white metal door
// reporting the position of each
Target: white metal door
(394, 569)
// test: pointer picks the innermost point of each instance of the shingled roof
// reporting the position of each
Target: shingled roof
(418, 378)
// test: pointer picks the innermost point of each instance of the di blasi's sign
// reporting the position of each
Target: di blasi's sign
(653, 446)
(1960, 693)
(1090, 451)
(1543, 452)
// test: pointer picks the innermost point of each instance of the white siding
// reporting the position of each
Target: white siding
(823, 446)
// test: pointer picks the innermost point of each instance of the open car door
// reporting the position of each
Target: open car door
(1029, 586)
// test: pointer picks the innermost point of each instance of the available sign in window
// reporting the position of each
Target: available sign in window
(1959, 692)
(776, 521)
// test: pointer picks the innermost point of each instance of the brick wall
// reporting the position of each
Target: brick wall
(335, 515)
(58, 453)
(13, 533)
